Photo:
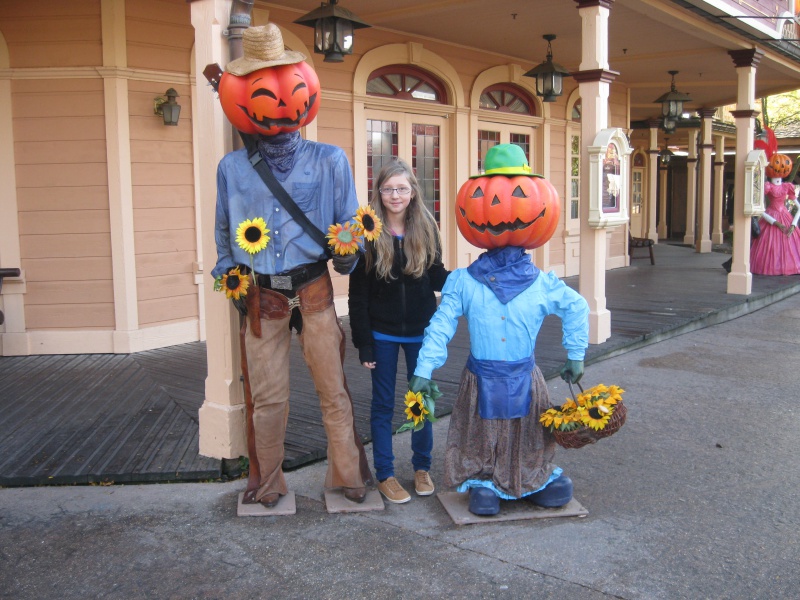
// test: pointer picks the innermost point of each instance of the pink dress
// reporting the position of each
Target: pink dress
(773, 252)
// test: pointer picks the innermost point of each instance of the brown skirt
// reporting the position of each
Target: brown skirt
(513, 454)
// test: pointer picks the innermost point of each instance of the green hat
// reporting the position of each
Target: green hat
(506, 159)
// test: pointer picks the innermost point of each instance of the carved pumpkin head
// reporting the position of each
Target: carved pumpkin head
(269, 90)
(507, 205)
(779, 166)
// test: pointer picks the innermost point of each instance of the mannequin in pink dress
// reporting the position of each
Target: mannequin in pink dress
(777, 250)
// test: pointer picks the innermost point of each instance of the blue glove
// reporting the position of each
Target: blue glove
(572, 371)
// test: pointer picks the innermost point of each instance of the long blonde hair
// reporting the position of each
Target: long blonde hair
(421, 242)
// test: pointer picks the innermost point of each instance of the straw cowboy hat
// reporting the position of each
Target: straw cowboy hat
(263, 47)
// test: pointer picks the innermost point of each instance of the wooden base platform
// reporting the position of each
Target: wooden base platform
(457, 506)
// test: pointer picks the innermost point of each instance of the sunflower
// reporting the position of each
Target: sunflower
(368, 223)
(596, 417)
(565, 418)
(342, 238)
(614, 394)
(233, 283)
(548, 418)
(251, 235)
(415, 407)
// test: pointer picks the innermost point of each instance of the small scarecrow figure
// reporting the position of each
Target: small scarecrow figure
(268, 95)
(496, 447)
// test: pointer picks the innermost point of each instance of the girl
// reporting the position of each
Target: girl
(391, 301)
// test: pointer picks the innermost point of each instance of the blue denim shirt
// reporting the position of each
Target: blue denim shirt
(320, 182)
(500, 331)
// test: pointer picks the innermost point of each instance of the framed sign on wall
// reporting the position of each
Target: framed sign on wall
(609, 184)
(754, 166)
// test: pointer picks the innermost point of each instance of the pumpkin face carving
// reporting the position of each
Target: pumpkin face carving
(779, 166)
(498, 211)
(270, 101)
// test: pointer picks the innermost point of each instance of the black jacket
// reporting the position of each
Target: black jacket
(402, 306)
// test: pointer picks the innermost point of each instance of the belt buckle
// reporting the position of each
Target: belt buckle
(280, 282)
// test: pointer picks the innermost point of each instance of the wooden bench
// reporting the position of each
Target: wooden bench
(6, 273)
(634, 243)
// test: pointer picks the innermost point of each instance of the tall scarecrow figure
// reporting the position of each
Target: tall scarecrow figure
(272, 259)
(496, 447)
(776, 251)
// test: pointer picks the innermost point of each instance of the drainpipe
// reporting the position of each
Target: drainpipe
(240, 19)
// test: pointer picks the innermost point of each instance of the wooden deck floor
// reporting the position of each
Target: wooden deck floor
(133, 418)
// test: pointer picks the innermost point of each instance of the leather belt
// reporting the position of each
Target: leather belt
(291, 280)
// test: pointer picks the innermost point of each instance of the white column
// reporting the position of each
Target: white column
(222, 416)
(740, 280)
(594, 80)
(691, 190)
(13, 338)
(118, 165)
(704, 187)
(663, 173)
(719, 190)
(651, 213)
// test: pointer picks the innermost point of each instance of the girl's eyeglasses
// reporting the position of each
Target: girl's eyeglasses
(402, 191)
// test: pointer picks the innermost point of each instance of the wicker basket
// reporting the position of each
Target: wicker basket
(580, 437)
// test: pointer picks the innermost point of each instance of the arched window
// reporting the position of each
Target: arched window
(413, 136)
(504, 97)
(576, 111)
(406, 83)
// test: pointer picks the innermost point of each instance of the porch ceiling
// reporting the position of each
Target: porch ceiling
(648, 38)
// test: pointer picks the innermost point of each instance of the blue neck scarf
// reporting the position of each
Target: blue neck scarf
(506, 271)
(278, 150)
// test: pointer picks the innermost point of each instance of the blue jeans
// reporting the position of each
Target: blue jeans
(384, 377)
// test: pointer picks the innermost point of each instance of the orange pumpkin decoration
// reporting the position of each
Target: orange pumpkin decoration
(497, 211)
(779, 166)
(269, 101)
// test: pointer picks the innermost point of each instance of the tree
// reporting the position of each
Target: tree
(781, 109)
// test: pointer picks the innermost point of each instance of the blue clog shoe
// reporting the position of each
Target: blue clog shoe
(483, 502)
(557, 493)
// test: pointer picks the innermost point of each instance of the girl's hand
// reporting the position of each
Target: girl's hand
(368, 365)
(791, 230)
(781, 226)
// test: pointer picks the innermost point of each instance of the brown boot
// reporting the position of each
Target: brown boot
(270, 500)
(356, 495)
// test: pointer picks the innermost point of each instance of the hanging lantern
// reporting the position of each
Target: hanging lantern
(672, 101)
(549, 75)
(666, 154)
(333, 30)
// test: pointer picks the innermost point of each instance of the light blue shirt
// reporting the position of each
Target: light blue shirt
(500, 331)
(321, 184)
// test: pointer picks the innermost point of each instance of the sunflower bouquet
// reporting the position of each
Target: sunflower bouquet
(251, 236)
(345, 239)
(593, 414)
(420, 408)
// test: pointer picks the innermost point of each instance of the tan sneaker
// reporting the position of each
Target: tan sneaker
(393, 491)
(423, 483)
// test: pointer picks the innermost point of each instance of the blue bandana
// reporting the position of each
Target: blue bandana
(278, 150)
(506, 271)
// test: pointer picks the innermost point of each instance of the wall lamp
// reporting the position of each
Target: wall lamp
(333, 30)
(549, 75)
(167, 107)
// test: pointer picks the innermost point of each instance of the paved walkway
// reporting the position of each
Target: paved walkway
(695, 497)
(118, 418)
